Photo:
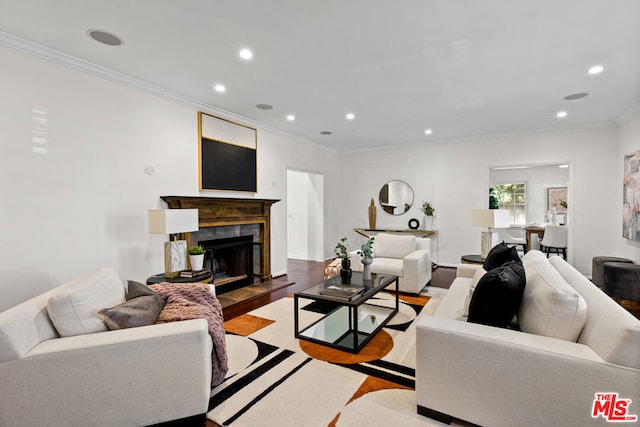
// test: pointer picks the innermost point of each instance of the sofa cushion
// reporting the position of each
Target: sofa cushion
(142, 308)
(550, 306)
(387, 266)
(500, 254)
(74, 309)
(393, 246)
(474, 282)
(497, 296)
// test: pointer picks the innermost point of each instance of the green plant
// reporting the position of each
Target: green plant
(493, 199)
(341, 249)
(563, 203)
(427, 208)
(196, 250)
(366, 250)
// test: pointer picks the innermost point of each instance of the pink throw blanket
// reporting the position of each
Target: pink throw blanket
(187, 301)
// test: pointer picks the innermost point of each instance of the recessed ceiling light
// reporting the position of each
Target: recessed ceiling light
(291, 117)
(246, 54)
(596, 69)
(428, 132)
(105, 37)
(561, 114)
(264, 106)
(574, 96)
(563, 166)
(350, 116)
(219, 88)
(325, 132)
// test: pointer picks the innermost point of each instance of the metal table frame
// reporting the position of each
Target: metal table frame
(353, 305)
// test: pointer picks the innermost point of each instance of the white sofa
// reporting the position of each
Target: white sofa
(404, 256)
(128, 377)
(504, 377)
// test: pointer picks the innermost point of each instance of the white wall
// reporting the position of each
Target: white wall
(83, 203)
(629, 142)
(455, 176)
(538, 179)
(297, 215)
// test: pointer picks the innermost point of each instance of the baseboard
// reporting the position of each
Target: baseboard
(435, 415)
(195, 421)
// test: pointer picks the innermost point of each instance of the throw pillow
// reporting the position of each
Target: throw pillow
(551, 306)
(498, 295)
(474, 282)
(73, 308)
(500, 254)
(142, 308)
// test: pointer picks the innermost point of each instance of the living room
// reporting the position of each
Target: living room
(77, 195)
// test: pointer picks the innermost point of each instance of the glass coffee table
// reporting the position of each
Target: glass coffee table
(354, 321)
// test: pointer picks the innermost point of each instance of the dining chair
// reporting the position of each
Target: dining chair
(555, 238)
(512, 237)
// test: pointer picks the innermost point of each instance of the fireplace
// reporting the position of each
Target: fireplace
(230, 260)
(234, 222)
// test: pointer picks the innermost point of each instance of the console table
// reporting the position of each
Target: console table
(158, 278)
(366, 232)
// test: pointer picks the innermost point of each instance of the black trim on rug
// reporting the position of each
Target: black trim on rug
(266, 392)
(383, 375)
(247, 379)
(394, 367)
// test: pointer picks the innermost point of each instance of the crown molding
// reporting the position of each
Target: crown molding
(77, 64)
(628, 114)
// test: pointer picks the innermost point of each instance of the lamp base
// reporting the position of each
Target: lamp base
(175, 258)
(488, 241)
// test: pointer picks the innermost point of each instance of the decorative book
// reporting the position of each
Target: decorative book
(195, 274)
(342, 291)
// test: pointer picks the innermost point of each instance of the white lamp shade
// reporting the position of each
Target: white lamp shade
(170, 221)
(492, 218)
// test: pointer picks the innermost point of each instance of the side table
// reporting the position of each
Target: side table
(159, 278)
(472, 259)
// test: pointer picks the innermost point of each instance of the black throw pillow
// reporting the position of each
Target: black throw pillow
(500, 254)
(498, 295)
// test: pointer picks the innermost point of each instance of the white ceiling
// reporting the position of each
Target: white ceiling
(460, 67)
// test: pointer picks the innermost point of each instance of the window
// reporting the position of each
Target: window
(513, 197)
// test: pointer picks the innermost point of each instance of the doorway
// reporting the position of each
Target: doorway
(305, 219)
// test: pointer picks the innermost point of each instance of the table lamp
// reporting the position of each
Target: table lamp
(490, 218)
(173, 222)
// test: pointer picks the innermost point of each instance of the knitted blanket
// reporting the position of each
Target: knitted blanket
(187, 301)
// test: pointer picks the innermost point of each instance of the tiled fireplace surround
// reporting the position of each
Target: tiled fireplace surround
(221, 218)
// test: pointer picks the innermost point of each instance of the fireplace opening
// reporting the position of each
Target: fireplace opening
(231, 262)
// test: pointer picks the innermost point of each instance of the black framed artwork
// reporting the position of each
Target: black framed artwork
(227, 155)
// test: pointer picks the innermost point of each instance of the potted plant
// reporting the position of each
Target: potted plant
(341, 252)
(196, 256)
(493, 199)
(428, 211)
(366, 252)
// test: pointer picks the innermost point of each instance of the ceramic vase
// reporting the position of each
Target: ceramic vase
(428, 223)
(345, 271)
(196, 262)
(366, 268)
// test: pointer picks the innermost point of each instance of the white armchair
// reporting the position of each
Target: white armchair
(404, 256)
(512, 236)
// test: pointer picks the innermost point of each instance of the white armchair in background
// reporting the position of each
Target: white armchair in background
(512, 236)
(404, 256)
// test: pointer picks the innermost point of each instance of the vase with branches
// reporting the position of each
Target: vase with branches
(341, 252)
(429, 212)
(366, 252)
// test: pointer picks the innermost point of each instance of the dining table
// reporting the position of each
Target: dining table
(533, 229)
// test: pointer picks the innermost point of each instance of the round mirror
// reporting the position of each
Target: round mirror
(396, 197)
